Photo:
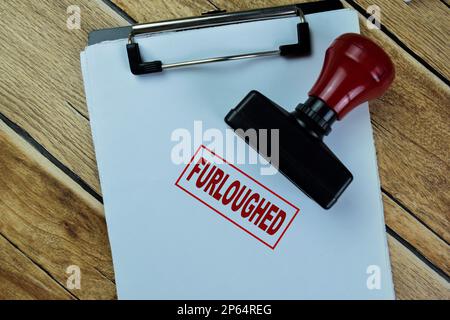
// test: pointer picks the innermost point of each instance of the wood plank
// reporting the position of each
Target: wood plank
(416, 234)
(41, 88)
(52, 220)
(411, 135)
(21, 279)
(413, 279)
(423, 26)
(142, 11)
(410, 129)
(236, 5)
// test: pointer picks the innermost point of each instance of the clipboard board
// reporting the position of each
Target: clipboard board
(168, 240)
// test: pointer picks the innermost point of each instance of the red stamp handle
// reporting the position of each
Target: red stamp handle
(355, 70)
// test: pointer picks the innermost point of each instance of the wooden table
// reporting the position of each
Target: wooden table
(51, 213)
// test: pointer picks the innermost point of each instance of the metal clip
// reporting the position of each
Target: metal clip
(301, 48)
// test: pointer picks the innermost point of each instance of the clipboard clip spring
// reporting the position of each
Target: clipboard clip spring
(299, 49)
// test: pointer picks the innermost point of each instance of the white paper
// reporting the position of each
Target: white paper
(168, 245)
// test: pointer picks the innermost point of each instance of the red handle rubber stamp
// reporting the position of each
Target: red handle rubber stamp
(355, 70)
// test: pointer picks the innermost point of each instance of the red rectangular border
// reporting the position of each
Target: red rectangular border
(245, 174)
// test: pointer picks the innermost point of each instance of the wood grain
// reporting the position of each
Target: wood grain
(142, 11)
(51, 219)
(411, 136)
(413, 279)
(419, 236)
(20, 278)
(423, 26)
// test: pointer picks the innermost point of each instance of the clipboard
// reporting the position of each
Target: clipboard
(166, 244)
